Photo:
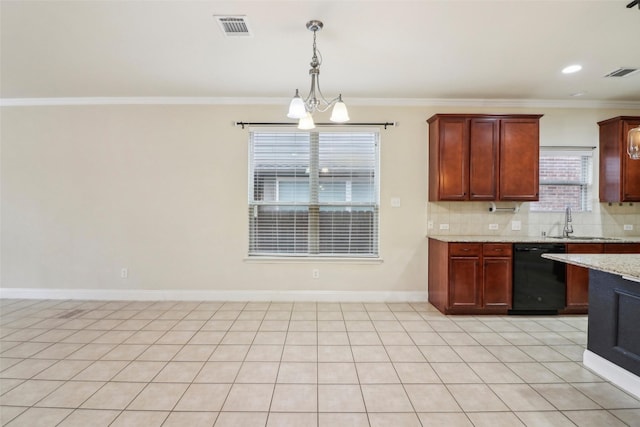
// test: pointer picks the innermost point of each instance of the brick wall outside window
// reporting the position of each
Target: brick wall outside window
(565, 180)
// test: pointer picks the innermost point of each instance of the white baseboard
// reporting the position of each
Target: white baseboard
(211, 295)
(612, 372)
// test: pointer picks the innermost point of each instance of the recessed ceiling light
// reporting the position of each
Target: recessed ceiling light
(572, 69)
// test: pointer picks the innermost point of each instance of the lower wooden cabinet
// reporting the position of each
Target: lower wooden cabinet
(497, 276)
(465, 275)
(578, 277)
(475, 278)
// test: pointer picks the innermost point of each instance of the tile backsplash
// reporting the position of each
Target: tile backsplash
(474, 218)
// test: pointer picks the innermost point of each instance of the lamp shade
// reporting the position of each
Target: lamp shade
(296, 108)
(633, 147)
(306, 123)
(339, 114)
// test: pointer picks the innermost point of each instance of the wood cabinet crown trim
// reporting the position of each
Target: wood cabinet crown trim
(484, 116)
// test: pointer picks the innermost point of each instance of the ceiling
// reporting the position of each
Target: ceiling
(390, 51)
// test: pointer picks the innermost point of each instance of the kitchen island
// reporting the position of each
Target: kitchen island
(613, 342)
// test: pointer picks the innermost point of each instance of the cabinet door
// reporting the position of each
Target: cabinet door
(497, 283)
(519, 159)
(619, 175)
(453, 159)
(578, 277)
(464, 282)
(610, 161)
(483, 159)
(630, 168)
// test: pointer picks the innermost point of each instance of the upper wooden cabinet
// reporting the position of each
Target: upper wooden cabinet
(619, 175)
(483, 157)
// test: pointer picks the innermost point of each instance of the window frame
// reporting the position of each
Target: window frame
(584, 184)
(314, 207)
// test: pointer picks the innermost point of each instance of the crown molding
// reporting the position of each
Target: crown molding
(378, 102)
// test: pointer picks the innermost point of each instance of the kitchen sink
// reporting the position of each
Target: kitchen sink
(582, 238)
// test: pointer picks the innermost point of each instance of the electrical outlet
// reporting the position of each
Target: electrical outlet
(493, 226)
(444, 226)
(315, 273)
(628, 227)
(395, 202)
(430, 225)
(124, 273)
(516, 225)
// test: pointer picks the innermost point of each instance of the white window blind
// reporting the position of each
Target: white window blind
(313, 193)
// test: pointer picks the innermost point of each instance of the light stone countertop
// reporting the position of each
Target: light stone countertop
(626, 265)
(528, 239)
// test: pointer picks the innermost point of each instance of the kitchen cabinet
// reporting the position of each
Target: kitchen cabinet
(578, 277)
(497, 279)
(483, 157)
(465, 271)
(470, 278)
(619, 174)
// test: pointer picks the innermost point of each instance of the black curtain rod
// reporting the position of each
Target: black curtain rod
(243, 124)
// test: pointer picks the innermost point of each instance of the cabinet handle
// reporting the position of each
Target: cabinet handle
(466, 249)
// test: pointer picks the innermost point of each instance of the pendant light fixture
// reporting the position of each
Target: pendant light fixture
(633, 147)
(303, 109)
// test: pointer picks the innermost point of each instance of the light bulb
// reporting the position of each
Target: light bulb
(306, 122)
(339, 114)
(296, 107)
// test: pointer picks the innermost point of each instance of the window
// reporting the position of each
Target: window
(565, 180)
(313, 193)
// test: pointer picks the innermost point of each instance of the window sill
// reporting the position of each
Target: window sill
(310, 260)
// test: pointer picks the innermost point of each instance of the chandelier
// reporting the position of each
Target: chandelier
(302, 109)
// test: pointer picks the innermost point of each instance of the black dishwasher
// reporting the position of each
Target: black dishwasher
(539, 285)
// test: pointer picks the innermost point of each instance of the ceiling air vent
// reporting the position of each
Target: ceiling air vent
(622, 72)
(233, 26)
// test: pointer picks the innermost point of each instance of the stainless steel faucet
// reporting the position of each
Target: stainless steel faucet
(568, 228)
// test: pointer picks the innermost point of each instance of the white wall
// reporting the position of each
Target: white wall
(162, 191)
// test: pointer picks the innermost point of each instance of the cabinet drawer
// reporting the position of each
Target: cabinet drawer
(622, 248)
(497, 249)
(465, 249)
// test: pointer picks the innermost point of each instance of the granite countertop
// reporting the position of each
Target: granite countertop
(527, 239)
(626, 265)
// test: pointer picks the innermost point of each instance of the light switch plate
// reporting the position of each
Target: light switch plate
(628, 227)
(493, 226)
(444, 226)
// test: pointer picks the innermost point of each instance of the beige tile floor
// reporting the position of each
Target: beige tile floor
(122, 363)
